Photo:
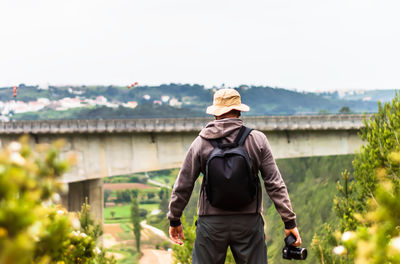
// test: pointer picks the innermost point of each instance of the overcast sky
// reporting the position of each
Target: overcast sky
(295, 44)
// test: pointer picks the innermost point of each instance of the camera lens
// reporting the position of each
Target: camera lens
(298, 253)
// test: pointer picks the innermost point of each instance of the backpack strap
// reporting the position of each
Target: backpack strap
(214, 143)
(242, 135)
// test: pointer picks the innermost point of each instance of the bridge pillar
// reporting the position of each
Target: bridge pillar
(93, 190)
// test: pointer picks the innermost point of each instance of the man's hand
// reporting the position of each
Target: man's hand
(296, 233)
(176, 233)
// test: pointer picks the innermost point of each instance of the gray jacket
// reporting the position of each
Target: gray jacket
(260, 153)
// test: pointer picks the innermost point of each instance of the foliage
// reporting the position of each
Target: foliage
(125, 196)
(103, 112)
(380, 242)
(323, 112)
(322, 245)
(344, 203)
(135, 218)
(326, 239)
(159, 221)
(377, 157)
(165, 196)
(183, 254)
(88, 225)
(368, 212)
(107, 194)
(133, 178)
(33, 229)
(345, 110)
(311, 186)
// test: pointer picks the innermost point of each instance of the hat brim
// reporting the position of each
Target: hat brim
(220, 110)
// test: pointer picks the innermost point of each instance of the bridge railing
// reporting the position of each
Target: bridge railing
(264, 123)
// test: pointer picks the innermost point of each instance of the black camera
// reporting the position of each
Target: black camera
(292, 252)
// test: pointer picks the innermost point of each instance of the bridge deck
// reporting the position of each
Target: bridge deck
(264, 123)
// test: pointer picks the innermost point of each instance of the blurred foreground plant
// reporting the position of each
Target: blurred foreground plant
(33, 227)
(368, 206)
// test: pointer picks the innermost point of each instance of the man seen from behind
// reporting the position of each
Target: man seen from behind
(231, 221)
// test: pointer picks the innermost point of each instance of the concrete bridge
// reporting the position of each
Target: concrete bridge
(113, 147)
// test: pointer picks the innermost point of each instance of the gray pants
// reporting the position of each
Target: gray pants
(243, 233)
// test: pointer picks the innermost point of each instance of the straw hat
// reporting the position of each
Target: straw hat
(226, 100)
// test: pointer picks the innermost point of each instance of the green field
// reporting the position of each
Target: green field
(149, 207)
(123, 212)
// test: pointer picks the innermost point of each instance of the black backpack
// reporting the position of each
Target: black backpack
(230, 182)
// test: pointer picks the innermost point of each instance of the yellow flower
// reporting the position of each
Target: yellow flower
(3, 232)
(394, 157)
(381, 173)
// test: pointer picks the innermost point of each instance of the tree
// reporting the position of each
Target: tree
(125, 196)
(107, 194)
(94, 230)
(164, 201)
(345, 110)
(134, 193)
(161, 193)
(88, 225)
(135, 218)
(150, 195)
(323, 112)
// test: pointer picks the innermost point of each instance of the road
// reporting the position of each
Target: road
(158, 183)
(155, 256)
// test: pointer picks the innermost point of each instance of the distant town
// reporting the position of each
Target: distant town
(15, 106)
(53, 102)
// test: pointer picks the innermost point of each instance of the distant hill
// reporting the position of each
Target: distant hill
(179, 100)
(363, 95)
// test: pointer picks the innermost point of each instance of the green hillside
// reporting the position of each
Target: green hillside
(192, 100)
(142, 111)
(312, 185)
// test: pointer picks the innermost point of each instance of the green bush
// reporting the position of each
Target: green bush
(142, 213)
(368, 206)
(33, 228)
(166, 245)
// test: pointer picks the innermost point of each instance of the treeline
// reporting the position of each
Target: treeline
(190, 101)
(135, 178)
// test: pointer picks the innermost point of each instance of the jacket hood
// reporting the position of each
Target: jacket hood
(220, 128)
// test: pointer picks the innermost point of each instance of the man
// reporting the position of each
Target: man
(217, 229)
